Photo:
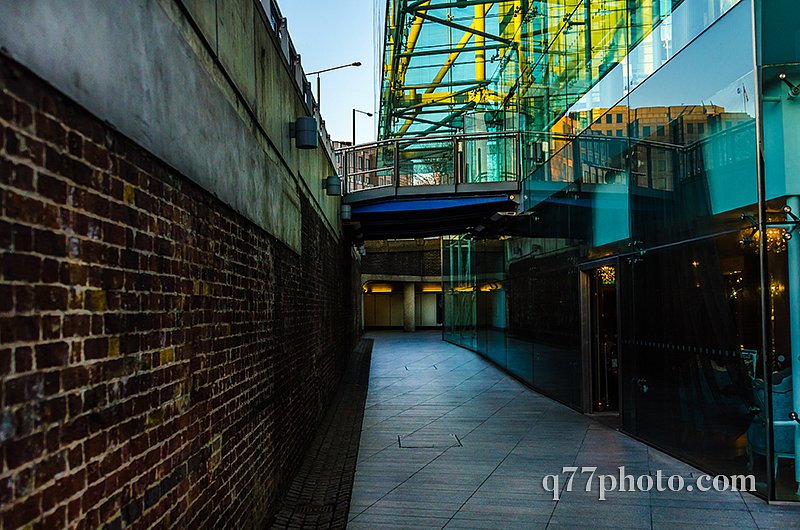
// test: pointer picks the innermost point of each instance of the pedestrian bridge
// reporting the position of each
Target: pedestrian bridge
(432, 185)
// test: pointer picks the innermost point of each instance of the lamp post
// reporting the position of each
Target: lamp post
(357, 63)
(354, 122)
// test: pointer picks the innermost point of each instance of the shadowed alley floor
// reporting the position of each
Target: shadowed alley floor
(475, 445)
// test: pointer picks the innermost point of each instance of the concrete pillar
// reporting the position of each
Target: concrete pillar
(409, 316)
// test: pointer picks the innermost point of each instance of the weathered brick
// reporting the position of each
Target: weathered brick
(20, 451)
(21, 328)
(50, 130)
(23, 512)
(52, 188)
(49, 467)
(95, 348)
(23, 359)
(21, 267)
(31, 211)
(50, 297)
(75, 144)
(147, 324)
(6, 359)
(58, 518)
(20, 176)
(52, 354)
(6, 298)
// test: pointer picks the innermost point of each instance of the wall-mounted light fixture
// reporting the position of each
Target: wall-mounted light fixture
(347, 212)
(332, 186)
(305, 133)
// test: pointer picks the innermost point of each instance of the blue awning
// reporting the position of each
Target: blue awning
(410, 205)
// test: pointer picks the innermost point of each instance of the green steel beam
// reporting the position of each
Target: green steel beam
(446, 51)
(463, 28)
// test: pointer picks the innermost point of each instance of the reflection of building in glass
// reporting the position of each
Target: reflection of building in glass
(637, 126)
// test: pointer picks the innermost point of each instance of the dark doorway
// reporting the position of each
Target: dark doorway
(605, 349)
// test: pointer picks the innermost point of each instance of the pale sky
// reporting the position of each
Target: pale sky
(328, 33)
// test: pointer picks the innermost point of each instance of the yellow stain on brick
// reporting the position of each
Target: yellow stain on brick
(128, 194)
(168, 356)
(77, 274)
(95, 300)
(216, 452)
(155, 417)
(76, 299)
(113, 347)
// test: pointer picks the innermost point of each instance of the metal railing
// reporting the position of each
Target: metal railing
(277, 24)
(506, 156)
(432, 161)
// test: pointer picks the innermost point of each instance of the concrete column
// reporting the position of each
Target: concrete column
(409, 316)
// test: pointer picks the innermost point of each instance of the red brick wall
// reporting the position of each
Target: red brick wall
(163, 361)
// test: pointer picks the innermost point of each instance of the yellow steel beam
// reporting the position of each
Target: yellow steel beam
(480, 40)
(478, 24)
(451, 59)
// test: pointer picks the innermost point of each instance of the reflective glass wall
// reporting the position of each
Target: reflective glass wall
(641, 171)
(519, 312)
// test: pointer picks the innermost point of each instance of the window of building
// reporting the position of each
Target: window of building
(690, 128)
(608, 118)
(701, 128)
(619, 117)
(646, 131)
(619, 132)
(660, 130)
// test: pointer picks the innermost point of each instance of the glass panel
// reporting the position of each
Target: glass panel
(693, 165)
(489, 158)
(369, 166)
(691, 355)
(459, 292)
(426, 162)
(490, 300)
(543, 304)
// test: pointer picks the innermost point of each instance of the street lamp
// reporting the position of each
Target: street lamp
(354, 122)
(357, 63)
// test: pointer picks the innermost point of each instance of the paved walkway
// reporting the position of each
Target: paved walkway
(474, 446)
(319, 494)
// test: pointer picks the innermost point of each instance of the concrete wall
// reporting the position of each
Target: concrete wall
(204, 85)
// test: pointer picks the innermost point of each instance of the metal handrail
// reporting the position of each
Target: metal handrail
(447, 142)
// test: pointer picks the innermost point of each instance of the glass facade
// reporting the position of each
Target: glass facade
(651, 271)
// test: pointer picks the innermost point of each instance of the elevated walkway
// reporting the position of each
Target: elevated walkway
(434, 185)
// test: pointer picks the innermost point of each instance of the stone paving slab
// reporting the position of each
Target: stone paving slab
(511, 437)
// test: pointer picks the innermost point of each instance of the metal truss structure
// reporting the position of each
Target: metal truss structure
(475, 66)
(445, 60)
